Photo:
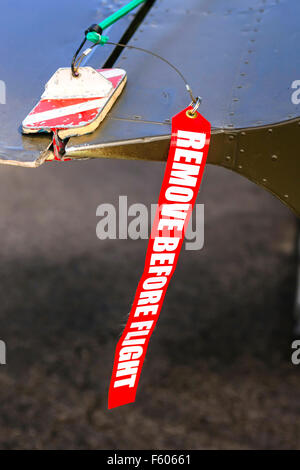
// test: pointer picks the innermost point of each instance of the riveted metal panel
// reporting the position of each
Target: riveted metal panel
(241, 56)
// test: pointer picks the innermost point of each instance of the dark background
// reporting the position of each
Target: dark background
(218, 372)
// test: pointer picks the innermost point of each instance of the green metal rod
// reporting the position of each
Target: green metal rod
(95, 37)
(120, 13)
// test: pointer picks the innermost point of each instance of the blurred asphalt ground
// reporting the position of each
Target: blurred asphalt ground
(218, 372)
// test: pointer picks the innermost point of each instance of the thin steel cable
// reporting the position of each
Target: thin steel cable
(77, 61)
(187, 86)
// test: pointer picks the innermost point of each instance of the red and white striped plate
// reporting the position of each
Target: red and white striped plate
(59, 114)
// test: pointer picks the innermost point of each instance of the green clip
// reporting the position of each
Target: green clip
(104, 40)
(94, 37)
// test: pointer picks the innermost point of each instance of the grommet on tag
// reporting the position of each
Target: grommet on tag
(192, 113)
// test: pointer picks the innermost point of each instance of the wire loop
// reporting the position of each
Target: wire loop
(74, 66)
(196, 104)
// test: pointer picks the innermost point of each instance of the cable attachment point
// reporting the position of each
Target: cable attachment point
(93, 34)
(192, 113)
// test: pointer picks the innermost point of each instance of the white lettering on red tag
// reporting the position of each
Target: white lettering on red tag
(182, 178)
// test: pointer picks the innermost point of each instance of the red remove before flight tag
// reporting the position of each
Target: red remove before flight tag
(182, 178)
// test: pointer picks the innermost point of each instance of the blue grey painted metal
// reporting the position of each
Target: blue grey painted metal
(241, 56)
(36, 38)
